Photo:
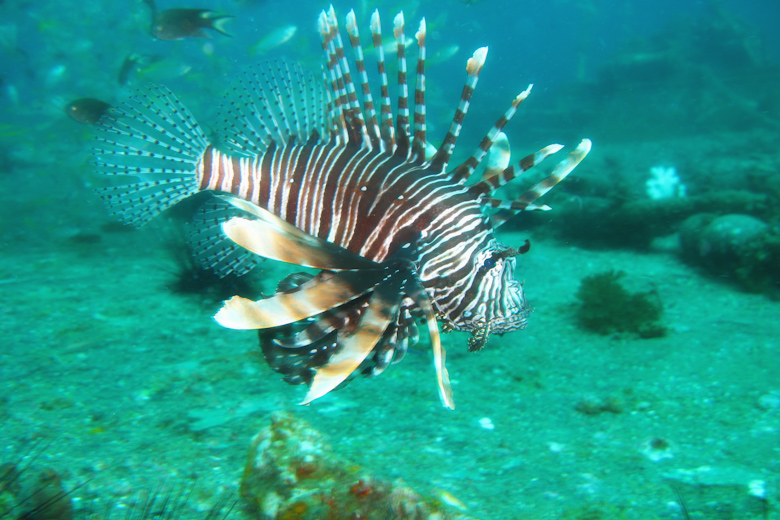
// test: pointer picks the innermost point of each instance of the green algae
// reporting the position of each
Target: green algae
(606, 307)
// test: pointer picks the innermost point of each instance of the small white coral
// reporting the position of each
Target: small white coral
(664, 183)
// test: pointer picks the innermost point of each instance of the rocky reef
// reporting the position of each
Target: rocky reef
(292, 474)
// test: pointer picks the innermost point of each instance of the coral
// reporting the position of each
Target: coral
(606, 307)
(664, 183)
(292, 474)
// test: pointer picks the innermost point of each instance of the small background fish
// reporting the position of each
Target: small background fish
(87, 110)
(179, 23)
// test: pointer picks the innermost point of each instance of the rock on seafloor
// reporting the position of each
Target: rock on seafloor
(292, 474)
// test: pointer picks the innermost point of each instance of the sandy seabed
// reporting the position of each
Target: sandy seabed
(126, 383)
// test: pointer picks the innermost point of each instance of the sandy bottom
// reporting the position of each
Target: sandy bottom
(129, 384)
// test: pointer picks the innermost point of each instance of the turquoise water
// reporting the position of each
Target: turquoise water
(114, 375)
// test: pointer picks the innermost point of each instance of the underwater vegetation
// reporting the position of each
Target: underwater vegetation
(606, 307)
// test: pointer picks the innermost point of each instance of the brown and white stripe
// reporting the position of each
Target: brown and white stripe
(323, 160)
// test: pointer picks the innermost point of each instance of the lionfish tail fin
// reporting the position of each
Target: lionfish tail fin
(153, 138)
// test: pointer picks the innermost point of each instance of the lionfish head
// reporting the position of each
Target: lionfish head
(495, 303)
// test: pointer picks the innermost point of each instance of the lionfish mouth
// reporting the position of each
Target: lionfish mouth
(482, 328)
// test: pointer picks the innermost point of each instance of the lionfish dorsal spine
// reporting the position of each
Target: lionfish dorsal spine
(418, 144)
(561, 170)
(493, 179)
(335, 80)
(368, 101)
(387, 130)
(525, 202)
(355, 119)
(463, 172)
(473, 67)
(402, 117)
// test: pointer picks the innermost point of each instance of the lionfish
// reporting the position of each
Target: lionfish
(311, 172)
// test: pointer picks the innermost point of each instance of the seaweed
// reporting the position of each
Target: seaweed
(606, 307)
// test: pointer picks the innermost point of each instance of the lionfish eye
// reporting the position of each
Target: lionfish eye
(490, 262)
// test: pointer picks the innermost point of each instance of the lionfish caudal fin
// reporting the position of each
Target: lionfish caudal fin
(371, 292)
(155, 140)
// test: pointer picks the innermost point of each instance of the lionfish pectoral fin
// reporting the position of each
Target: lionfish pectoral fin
(272, 237)
(439, 354)
(308, 300)
(382, 309)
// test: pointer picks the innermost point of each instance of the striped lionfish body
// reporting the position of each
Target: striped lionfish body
(315, 173)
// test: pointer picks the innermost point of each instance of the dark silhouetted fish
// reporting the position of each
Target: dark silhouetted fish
(86, 110)
(180, 23)
(134, 63)
(320, 176)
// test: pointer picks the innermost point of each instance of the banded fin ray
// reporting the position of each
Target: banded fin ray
(276, 106)
(495, 177)
(419, 141)
(272, 237)
(212, 248)
(382, 309)
(387, 130)
(372, 125)
(153, 138)
(463, 172)
(402, 113)
(507, 209)
(311, 298)
(474, 66)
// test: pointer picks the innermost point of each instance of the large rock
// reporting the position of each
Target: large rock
(292, 474)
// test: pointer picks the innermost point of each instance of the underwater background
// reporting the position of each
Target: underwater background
(646, 386)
